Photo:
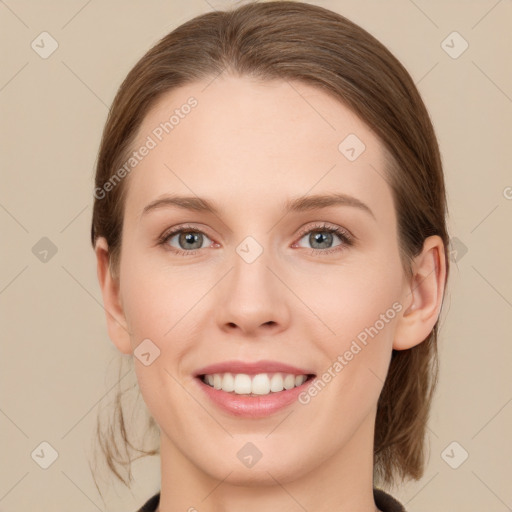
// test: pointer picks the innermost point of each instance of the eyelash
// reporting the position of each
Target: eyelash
(346, 238)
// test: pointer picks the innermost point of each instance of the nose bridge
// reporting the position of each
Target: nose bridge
(250, 270)
(252, 296)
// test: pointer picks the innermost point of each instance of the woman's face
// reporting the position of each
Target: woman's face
(261, 278)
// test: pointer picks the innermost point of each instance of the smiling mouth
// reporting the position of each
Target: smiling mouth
(260, 384)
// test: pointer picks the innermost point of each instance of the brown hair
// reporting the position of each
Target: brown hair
(288, 40)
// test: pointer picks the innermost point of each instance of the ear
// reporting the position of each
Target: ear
(423, 295)
(116, 320)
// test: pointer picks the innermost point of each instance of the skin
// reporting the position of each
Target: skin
(248, 146)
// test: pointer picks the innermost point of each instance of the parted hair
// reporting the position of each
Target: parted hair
(291, 40)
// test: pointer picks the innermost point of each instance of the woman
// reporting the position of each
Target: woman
(269, 226)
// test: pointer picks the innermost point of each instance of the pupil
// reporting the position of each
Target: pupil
(190, 239)
(318, 237)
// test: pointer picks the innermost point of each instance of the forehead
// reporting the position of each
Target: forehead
(256, 142)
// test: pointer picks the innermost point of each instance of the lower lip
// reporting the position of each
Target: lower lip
(257, 406)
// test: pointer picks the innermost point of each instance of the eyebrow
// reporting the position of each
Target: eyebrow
(298, 204)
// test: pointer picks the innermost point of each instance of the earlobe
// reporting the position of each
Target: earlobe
(116, 320)
(423, 295)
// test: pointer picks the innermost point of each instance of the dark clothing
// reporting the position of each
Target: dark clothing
(384, 502)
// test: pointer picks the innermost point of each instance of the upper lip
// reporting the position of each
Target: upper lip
(251, 368)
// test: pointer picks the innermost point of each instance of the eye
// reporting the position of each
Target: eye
(187, 238)
(322, 236)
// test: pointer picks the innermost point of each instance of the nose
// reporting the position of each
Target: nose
(251, 300)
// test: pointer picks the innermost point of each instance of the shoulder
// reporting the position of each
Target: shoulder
(386, 502)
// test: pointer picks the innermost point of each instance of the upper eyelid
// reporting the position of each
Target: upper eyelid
(323, 225)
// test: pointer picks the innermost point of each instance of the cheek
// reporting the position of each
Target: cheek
(353, 297)
(361, 306)
(159, 308)
(156, 300)
(362, 309)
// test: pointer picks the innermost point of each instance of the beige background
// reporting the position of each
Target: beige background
(57, 362)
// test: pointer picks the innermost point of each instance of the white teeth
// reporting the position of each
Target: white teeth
(289, 381)
(276, 383)
(300, 379)
(228, 383)
(260, 384)
(242, 384)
